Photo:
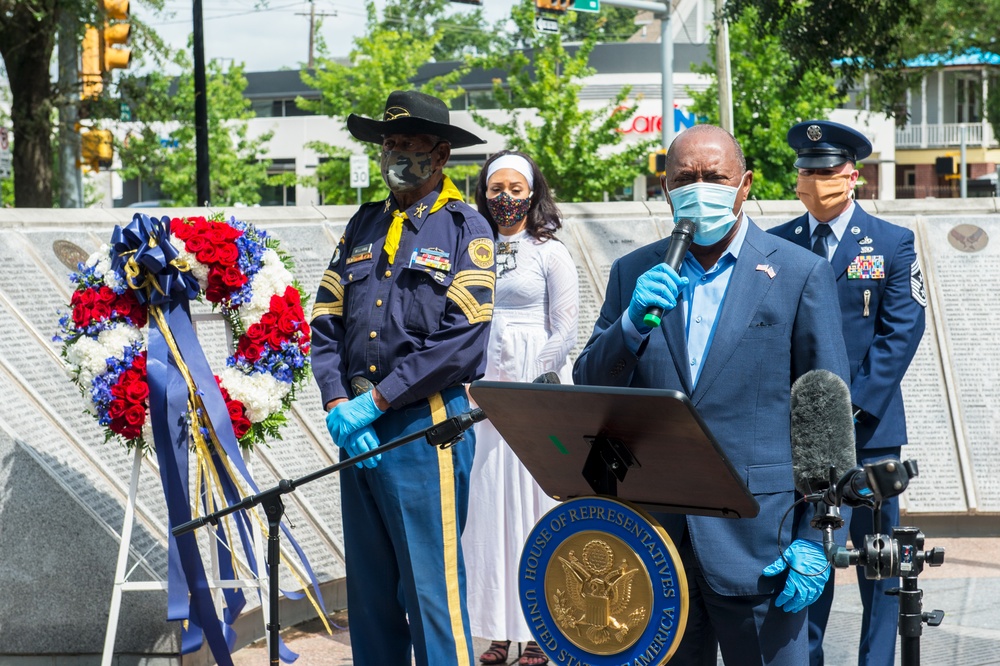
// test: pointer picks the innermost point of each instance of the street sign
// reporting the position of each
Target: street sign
(5, 164)
(586, 6)
(359, 171)
(546, 25)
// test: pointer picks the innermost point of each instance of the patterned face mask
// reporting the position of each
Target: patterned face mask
(506, 210)
(406, 170)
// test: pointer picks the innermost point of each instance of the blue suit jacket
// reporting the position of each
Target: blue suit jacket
(770, 332)
(880, 343)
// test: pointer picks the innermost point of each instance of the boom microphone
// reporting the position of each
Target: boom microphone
(680, 241)
(822, 431)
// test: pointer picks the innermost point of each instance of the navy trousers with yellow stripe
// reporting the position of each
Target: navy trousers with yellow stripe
(402, 526)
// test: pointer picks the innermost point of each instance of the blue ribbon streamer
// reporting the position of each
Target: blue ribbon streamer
(142, 251)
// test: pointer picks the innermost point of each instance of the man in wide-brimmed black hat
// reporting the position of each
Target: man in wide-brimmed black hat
(400, 324)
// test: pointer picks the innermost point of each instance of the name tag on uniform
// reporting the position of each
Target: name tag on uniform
(867, 267)
(431, 257)
(360, 253)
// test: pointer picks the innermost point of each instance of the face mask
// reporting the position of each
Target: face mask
(709, 206)
(824, 196)
(405, 171)
(506, 210)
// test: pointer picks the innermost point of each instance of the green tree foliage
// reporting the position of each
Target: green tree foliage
(457, 30)
(382, 60)
(163, 149)
(770, 94)
(581, 152)
(611, 24)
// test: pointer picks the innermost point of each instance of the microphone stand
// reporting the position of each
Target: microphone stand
(444, 435)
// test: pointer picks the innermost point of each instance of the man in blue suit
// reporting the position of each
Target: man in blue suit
(882, 303)
(746, 316)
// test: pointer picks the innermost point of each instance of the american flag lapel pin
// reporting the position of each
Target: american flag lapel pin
(766, 268)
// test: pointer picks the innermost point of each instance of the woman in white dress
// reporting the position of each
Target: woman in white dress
(533, 330)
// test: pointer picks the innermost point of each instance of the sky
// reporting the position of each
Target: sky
(274, 35)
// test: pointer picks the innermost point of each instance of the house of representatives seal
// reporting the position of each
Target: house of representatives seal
(601, 584)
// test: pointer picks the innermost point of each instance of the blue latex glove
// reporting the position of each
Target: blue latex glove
(805, 581)
(361, 441)
(658, 286)
(351, 415)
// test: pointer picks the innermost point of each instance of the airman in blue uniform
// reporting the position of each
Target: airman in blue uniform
(882, 303)
(400, 324)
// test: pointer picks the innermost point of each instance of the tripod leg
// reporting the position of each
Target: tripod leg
(274, 508)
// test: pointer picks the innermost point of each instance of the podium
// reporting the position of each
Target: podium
(646, 446)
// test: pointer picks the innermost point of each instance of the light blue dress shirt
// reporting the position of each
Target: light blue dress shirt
(702, 301)
(838, 226)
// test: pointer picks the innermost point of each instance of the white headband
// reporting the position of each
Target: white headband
(515, 162)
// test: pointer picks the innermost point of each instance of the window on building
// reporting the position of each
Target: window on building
(279, 195)
(967, 98)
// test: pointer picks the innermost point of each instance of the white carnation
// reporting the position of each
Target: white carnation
(260, 393)
(87, 357)
(198, 269)
(272, 278)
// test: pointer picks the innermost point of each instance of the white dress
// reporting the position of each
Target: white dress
(534, 325)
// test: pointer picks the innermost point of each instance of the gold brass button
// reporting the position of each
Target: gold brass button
(388, 273)
(378, 303)
(372, 335)
(371, 368)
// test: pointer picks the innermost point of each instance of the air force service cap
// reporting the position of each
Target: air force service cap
(822, 144)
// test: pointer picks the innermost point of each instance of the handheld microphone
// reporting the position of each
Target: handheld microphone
(680, 240)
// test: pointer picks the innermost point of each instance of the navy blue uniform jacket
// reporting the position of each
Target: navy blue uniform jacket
(882, 338)
(771, 331)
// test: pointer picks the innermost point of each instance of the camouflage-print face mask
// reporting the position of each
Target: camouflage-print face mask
(405, 170)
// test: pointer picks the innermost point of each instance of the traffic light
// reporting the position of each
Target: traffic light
(90, 70)
(116, 34)
(553, 5)
(100, 52)
(97, 149)
(658, 162)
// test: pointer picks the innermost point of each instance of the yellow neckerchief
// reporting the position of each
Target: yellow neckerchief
(448, 193)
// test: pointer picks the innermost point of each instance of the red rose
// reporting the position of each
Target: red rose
(207, 254)
(235, 410)
(195, 243)
(256, 332)
(130, 376)
(253, 352)
(216, 292)
(139, 363)
(275, 337)
(269, 320)
(304, 328)
(180, 229)
(137, 392)
(100, 311)
(232, 233)
(106, 295)
(217, 235)
(227, 254)
(135, 415)
(233, 277)
(292, 296)
(278, 304)
(241, 427)
(116, 409)
(288, 323)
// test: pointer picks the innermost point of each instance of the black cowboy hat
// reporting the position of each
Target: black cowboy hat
(411, 112)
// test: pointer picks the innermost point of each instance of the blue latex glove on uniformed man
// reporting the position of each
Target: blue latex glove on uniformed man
(362, 441)
(658, 286)
(350, 416)
(806, 577)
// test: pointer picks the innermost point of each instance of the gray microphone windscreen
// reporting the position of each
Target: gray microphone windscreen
(822, 430)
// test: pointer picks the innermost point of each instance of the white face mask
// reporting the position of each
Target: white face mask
(709, 206)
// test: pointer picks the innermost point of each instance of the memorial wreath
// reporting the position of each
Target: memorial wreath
(240, 269)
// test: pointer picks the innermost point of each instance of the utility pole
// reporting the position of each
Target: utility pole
(722, 70)
(312, 29)
(202, 181)
(71, 189)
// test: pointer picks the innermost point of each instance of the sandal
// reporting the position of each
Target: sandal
(532, 655)
(496, 653)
